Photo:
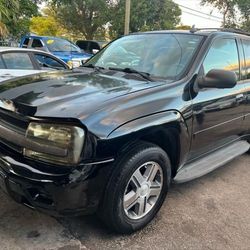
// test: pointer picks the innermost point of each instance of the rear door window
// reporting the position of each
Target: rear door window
(15, 60)
(246, 46)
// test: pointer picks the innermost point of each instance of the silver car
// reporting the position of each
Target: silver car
(15, 62)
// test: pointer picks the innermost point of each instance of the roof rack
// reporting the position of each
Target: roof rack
(231, 30)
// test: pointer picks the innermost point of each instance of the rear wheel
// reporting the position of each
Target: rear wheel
(137, 188)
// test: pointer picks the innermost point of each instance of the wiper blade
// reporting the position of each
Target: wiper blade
(97, 68)
(145, 75)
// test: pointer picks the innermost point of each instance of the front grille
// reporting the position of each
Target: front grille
(17, 124)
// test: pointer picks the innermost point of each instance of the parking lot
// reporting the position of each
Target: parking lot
(212, 212)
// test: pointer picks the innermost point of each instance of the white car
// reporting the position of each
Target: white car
(15, 62)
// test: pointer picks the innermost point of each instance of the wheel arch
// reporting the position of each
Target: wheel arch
(167, 130)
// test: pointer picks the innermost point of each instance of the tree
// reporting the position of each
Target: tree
(227, 8)
(19, 21)
(145, 15)
(244, 7)
(88, 17)
(46, 25)
(232, 9)
(7, 11)
(84, 17)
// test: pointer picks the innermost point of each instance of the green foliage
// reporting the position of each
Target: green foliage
(84, 17)
(16, 15)
(44, 26)
(244, 7)
(27, 9)
(7, 12)
(87, 17)
(232, 10)
(7, 8)
(226, 7)
(145, 15)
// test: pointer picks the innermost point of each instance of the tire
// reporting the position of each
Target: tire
(248, 152)
(116, 210)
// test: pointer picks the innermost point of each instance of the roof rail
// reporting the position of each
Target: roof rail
(231, 30)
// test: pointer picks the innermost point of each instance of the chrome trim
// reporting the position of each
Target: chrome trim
(98, 162)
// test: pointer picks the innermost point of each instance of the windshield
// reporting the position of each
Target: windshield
(61, 45)
(160, 55)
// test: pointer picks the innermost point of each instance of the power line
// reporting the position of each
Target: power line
(215, 20)
(203, 13)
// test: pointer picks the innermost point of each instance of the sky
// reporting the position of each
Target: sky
(200, 16)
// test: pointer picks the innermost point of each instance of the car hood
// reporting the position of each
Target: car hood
(68, 95)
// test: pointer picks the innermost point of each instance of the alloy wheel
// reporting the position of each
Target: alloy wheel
(143, 190)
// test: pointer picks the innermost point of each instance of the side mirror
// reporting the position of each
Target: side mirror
(217, 78)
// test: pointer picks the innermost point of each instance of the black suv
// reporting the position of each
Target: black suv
(148, 109)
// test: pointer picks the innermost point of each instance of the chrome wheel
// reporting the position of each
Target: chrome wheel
(143, 190)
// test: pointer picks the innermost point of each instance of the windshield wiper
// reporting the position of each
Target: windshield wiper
(145, 75)
(97, 68)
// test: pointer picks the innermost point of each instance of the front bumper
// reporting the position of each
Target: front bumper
(59, 193)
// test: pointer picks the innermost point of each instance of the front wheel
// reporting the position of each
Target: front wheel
(137, 188)
(248, 152)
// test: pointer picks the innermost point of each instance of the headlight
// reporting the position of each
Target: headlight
(60, 143)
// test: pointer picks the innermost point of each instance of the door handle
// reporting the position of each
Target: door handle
(240, 98)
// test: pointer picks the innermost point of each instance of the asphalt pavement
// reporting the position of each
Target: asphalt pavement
(212, 212)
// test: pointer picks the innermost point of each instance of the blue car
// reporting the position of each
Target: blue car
(61, 48)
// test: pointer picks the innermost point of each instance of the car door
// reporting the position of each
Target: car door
(246, 49)
(16, 64)
(218, 113)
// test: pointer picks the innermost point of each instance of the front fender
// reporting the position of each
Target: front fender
(162, 122)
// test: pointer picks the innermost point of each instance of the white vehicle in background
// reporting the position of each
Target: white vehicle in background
(15, 62)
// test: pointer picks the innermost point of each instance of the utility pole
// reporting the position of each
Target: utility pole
(127, 17)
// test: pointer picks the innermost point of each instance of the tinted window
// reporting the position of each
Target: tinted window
(222, 55)
(82, 44)
(88, 46)
(246, 45)
(48, 62)
(17, 61)
(37, 43)
(92, 46)
(160, 55)
(25, 43)
(1, 64)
